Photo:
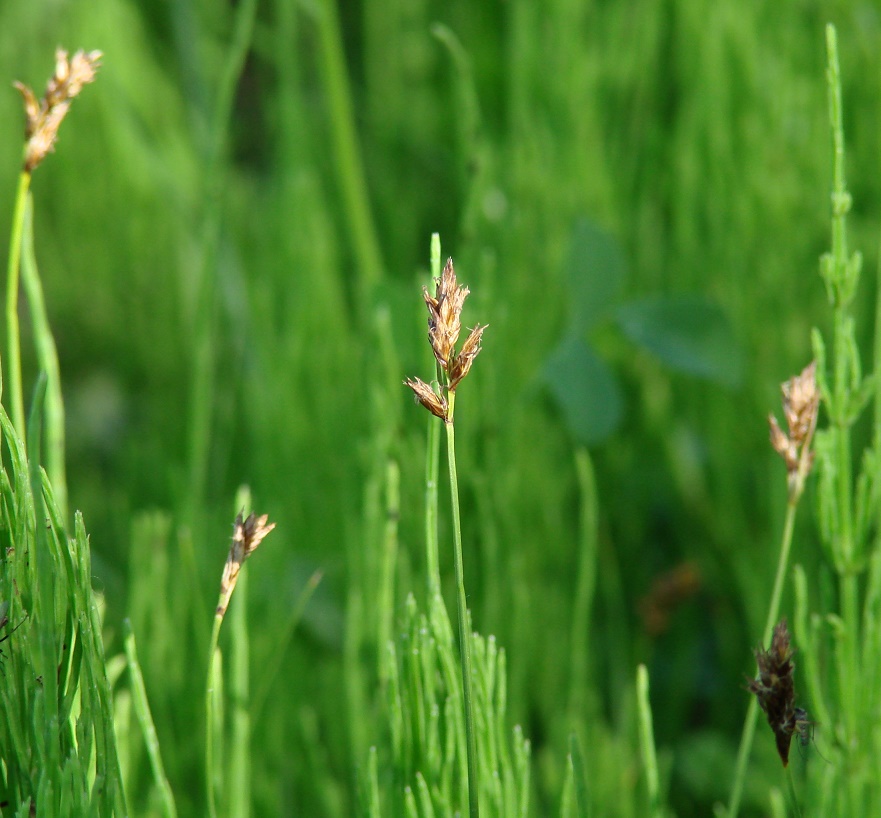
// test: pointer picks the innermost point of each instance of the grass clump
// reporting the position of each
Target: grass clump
(614, 500)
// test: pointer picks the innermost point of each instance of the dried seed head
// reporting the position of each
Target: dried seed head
(247, 535)
(444, 311)
(775, 690)
(444, 326)
(459, 364)
(801, 404)
(436, 404)
(44, 116)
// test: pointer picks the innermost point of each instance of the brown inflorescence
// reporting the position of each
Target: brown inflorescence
(248, 533)
(44, 116)
(775, 690)
(801, 403)
(444, 326)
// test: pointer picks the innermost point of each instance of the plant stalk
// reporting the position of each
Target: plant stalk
(749, 725)
(464, 634)
(13, 336)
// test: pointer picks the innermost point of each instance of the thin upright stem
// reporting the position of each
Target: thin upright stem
(206, 289)
(432, 465)
(13, 337)
(790, 786)
(347, 154)
(210, 714)
(749, 725)
(845, 361)
(432, 470)
(464, 635)
(47, 358)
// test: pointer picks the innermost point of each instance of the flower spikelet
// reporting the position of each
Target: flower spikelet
(801, 403)
(444, 326)
(248, 533)
(44, 116)
(436, 404)
(775, 690)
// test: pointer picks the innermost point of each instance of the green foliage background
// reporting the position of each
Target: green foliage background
(602, 174)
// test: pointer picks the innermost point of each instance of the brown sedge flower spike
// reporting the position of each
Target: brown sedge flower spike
(247, 534)
(444, 326)
(801, 403)
(44, 116)
(776, 693)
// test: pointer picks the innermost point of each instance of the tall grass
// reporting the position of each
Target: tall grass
(696, 145)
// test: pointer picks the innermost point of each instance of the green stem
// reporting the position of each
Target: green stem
(350, 170)
(432, 466)
(464, 635)
(585, 586)
(790, 786)
(145, 719)
(845, 275)
(47, 357)
(210, 699)
(202, 384)
(432, 470)
(647, 740)
(13, 337)
(238, 764)
(749, 726)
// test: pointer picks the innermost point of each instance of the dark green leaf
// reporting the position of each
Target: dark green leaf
(595, 268)
(585, 390)
(687, 333)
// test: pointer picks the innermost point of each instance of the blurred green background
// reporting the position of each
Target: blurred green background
(637, 196)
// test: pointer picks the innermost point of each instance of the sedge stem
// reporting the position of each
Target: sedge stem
(13, 336)
(464, 635)
(749, 725)
(211, 715)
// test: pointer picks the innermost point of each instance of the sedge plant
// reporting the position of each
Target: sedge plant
(444, 326)
(800, 406)
(248, 533)
(43, 119)
(842, 649)
(57, 734)
(842, 658)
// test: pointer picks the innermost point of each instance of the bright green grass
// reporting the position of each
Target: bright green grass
(233, 281)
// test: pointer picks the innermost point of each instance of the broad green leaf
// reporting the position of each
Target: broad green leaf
(687, 333)
(585, 390)
(595, 269)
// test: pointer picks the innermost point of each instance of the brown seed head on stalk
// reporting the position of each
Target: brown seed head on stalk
(247, 534)
(444, 326)
(775, 690)
(44, 116)
(801, 403)
(436, 404)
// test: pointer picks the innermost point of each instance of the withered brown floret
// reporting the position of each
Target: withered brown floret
(444, 326)
(775, 690)
(44, 116)
(248, 533)
(801, 403)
